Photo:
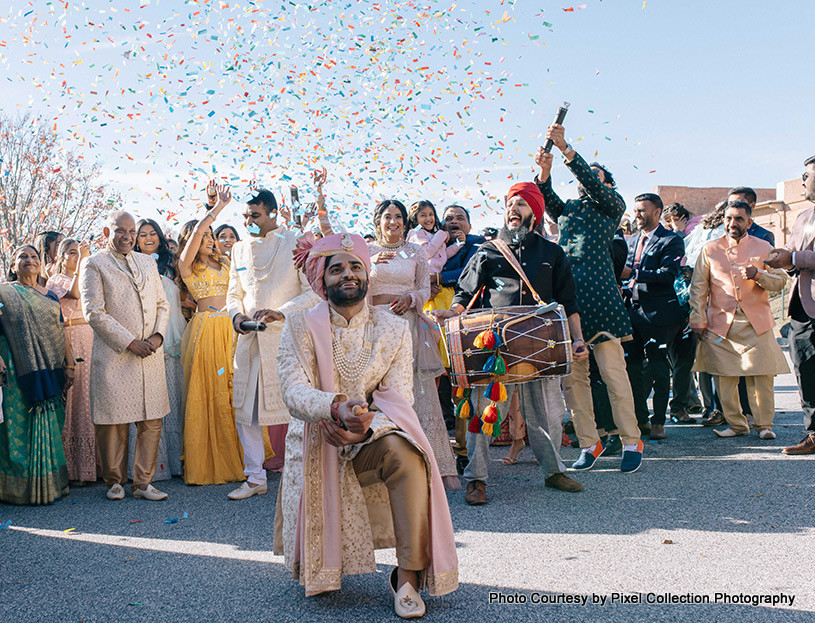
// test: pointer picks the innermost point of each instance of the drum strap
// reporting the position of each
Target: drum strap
(503, 247)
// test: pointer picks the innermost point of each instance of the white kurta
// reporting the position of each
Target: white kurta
(123, 300)
(262, 275)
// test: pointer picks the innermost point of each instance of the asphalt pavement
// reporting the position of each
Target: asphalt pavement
(705, 530)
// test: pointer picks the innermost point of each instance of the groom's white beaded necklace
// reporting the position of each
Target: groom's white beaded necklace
(353, 370)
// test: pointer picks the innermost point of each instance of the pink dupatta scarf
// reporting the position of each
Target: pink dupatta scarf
(321, 561)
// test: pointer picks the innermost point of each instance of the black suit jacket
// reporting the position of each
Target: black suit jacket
(659, 267)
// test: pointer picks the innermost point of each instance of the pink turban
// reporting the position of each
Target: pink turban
(310, 255)
(530, 193)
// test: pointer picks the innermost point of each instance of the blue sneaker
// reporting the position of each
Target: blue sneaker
(587, 457)
(632, 459)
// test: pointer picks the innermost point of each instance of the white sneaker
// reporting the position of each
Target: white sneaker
(116, 492)
(407, 602)
(247, 491)
(149, 493)
(766, 434)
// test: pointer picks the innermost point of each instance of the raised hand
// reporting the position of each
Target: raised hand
(544, 162)
(224, 195)
(212, 194)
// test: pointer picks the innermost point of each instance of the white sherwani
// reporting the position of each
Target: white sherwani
(366, 520)
(123, 300)
(262, 276)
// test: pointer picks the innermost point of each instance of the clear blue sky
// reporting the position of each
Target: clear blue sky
(412, 99)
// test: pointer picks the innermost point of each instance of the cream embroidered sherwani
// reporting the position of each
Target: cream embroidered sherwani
(366, 515)
(262, 275)
(736, 313)
(123, 300)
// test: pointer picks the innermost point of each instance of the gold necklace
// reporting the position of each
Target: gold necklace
(391, 246)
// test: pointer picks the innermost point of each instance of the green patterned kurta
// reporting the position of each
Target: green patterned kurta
(587, 226)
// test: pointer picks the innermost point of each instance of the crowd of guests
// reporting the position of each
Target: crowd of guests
(152, 358)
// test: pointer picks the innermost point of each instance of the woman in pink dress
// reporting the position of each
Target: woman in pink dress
(78, 438)
(400, 280)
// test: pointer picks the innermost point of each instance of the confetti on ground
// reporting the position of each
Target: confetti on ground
(5, 525)
(171, 520)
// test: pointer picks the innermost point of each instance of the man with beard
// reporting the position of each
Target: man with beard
(550, 275)
(264, 285)
(360, 473)
(587, 226)
(799, 259)
(656, 315)
(730, 312)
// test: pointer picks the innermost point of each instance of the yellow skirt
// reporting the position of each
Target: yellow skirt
(212, 450)
(443, 300)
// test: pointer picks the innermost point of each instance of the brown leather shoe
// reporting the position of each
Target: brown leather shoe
(681, 417)
(806, 446)
(716, 419)
(562, 482)
(645, 428)
(476, 493)
(657, 432)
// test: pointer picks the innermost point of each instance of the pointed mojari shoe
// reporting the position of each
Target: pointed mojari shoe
(407, 602)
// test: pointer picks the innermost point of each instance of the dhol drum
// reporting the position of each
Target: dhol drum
(534, 342)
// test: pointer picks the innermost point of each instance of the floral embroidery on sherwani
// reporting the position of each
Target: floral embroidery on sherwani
(366, 519)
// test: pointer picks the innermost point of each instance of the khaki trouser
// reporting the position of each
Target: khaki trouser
(610, 359)
(112, 442)
(393, 460)
(759, 395)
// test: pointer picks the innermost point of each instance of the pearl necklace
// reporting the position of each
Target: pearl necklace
(351, 371)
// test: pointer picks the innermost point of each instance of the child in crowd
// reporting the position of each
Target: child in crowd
(423, 229)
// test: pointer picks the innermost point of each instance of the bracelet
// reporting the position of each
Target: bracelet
(335, 415)
(69, 367)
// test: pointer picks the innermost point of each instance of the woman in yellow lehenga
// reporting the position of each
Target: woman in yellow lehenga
(212, 450)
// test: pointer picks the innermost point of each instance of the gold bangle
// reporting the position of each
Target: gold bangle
(69, 367)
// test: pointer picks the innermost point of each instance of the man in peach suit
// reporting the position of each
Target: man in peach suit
(730, 311)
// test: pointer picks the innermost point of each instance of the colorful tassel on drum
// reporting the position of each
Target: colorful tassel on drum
(474, 426)
(489, 419)
(499, 366)
(463, 410)
(487, 340)
(496, 391)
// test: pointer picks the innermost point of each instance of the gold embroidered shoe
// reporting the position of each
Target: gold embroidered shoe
(407, 602)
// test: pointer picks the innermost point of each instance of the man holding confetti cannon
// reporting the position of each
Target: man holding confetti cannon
(587, 226)
(264, 285)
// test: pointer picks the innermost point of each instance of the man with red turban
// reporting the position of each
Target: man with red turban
(360, 474)
(491, 277)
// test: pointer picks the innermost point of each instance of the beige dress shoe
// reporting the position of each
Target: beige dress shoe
(116, 492)
(407, 602)
(149, 493)
(245, 491)
(729, 432)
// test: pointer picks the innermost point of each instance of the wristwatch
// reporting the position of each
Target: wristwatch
(566, 153)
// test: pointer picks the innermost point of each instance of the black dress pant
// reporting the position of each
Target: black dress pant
(651, 343)
(682, 355)
(802, 350)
